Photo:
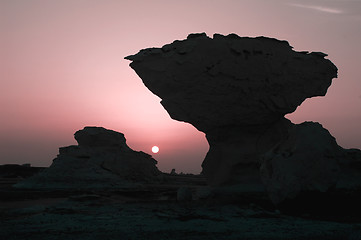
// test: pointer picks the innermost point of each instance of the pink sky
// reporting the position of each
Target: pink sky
(62, 68)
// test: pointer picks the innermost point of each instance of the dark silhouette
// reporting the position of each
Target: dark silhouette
(237, 90)
(260, 168)
(101, 160)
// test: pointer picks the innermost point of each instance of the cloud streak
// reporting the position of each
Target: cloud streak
(318, 8)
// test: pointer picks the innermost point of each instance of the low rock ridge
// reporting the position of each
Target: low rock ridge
(102, 159)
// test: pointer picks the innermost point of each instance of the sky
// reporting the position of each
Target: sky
(62, 68)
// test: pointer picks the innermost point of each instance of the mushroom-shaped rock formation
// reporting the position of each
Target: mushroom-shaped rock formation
(236, 90)
(102, 159)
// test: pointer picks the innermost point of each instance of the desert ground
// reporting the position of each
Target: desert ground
(153, 212)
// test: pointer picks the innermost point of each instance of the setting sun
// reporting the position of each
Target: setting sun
(155, 149)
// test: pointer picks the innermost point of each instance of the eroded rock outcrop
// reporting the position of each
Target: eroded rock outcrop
(102, 159)
(236, 90)
(307, 160)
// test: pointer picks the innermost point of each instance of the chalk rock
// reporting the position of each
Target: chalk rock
(236, 90)
(235, 151)
(173, 172)
(100, 137)
(101, 160)
(307, 160)
(229, 80)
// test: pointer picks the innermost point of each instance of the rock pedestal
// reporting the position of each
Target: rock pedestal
(234, 154)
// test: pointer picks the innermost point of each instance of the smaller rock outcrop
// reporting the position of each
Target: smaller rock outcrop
(307, 160)
(102, 159)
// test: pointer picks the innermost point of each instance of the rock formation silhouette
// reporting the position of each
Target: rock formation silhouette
(236, 90)
(102, 159)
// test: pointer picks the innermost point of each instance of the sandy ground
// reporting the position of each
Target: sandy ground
(143, 215)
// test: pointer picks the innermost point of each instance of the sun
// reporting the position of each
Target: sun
(155, 149)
